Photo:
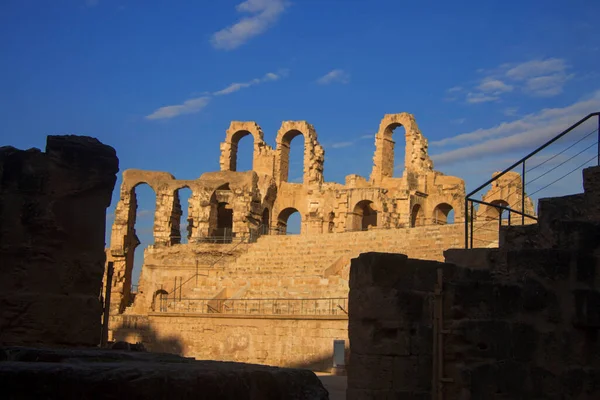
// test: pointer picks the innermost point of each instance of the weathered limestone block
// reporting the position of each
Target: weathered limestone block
(52, 226)
(112, 374)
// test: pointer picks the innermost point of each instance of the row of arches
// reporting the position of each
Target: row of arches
(243, 155)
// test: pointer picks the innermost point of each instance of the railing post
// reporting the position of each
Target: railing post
(598, 143)
(466, 222)
(472, 218)
(523, 195)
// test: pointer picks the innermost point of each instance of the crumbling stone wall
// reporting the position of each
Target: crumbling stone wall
(52, 224)
(517, 322)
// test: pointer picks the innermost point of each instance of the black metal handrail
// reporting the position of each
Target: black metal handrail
(470, 217)
(258, 306)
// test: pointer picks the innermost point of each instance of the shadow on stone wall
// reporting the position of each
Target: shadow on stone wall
(143, 333)
(320, 364)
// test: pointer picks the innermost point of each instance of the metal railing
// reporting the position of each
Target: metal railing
(252, 306)
(580, 148)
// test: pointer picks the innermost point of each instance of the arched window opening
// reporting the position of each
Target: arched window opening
(159, 300)
(443, 214)
(365, 216)
(292, 157)
(264, 223)
(242, 151)
(289, 222)
(224, 221)
(417, 216)
(493, 213)
(331, 223)
(393, 150)
(182, 224)
(143, 201)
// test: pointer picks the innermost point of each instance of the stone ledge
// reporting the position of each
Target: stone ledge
(250, 316)
(109, 374)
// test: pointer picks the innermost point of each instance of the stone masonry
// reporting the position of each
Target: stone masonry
(52, 224)
(224, 264)
(517, 322)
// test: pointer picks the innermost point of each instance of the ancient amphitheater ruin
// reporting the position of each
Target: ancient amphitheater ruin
(242, 290)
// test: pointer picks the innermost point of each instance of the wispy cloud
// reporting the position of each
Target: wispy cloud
(536, 78)
(234, 87)
(190, 106)
(264, 13)
(458, 121)
(526, 132)
(196, 104)
(510, 111)
(369, 136)
(91, 3)
(144, 213)
(334, 76)
(340, 145)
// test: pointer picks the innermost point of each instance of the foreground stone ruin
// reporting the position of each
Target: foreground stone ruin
(517, 322)
(240, 289)
(52, 224)
(105, 374)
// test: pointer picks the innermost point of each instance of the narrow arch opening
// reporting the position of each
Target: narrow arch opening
(224, 220)
(443, 214)
(181, 223)
(393, 150)
(493, 213)
(144, 199)
(159, 300)
(331, 222)
(289, 222)
(417, 216)
(242, 151)
(292, 157)
(265, 222)
(365, 216)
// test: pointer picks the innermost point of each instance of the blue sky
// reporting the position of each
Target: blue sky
(160, 80)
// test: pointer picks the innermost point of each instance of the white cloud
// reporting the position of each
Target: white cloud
(194, 105)
(340, 145)
(369, 136)
(510, 111)
(474, 98)
(265, 14)
(336, 75)
(458, 121)
(527, 132)
(188, 107)
(494, 86)
(536, 78)
(234, 87)
(535, 68)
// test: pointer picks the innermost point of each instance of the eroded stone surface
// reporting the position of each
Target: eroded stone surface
(111, 374)
(52, 224)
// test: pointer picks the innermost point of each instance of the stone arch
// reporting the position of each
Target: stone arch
(283, 217)
(364, 216)
(417, 216)
(159, 299)
(441, 214)
(238, 130)
(221, 213)
(314, 155)
(415, 157)
(493, 213)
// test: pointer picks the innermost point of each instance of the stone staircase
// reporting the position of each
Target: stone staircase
(317, 266)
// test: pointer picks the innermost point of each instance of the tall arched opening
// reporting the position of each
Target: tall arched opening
(182, 225)
(365, 216)
(289, 222)
(265, 222)
(242, 151)
(159, 300)
(291, 158)
(417, 216)
(143, 203)
(443, 214)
